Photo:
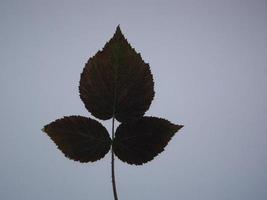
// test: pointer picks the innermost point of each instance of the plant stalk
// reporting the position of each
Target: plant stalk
(112, 164)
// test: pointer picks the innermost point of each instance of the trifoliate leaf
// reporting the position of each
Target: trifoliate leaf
(79, 138)
(116, 81)
(140, 141)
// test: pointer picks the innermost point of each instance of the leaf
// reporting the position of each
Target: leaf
(140, 141)
(116, 81)
(79, 138)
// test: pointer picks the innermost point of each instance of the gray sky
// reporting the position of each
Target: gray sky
(209, 61)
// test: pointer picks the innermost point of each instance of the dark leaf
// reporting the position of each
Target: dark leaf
(140, 141)
(79, 138)
(116, 81)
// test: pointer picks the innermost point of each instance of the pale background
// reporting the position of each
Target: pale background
(209, 61)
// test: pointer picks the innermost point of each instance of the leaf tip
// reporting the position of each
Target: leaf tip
(118, 32)
(177, 127)
(43, 129)
(118, 29)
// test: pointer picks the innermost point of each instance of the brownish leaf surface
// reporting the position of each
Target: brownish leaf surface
(117, 81)
(79, 138)
(140, 141)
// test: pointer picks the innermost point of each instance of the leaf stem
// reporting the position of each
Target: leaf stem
(112, 164)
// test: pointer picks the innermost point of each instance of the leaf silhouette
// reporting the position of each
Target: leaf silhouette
(79, 138)
(117, 82)
(140, 141)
